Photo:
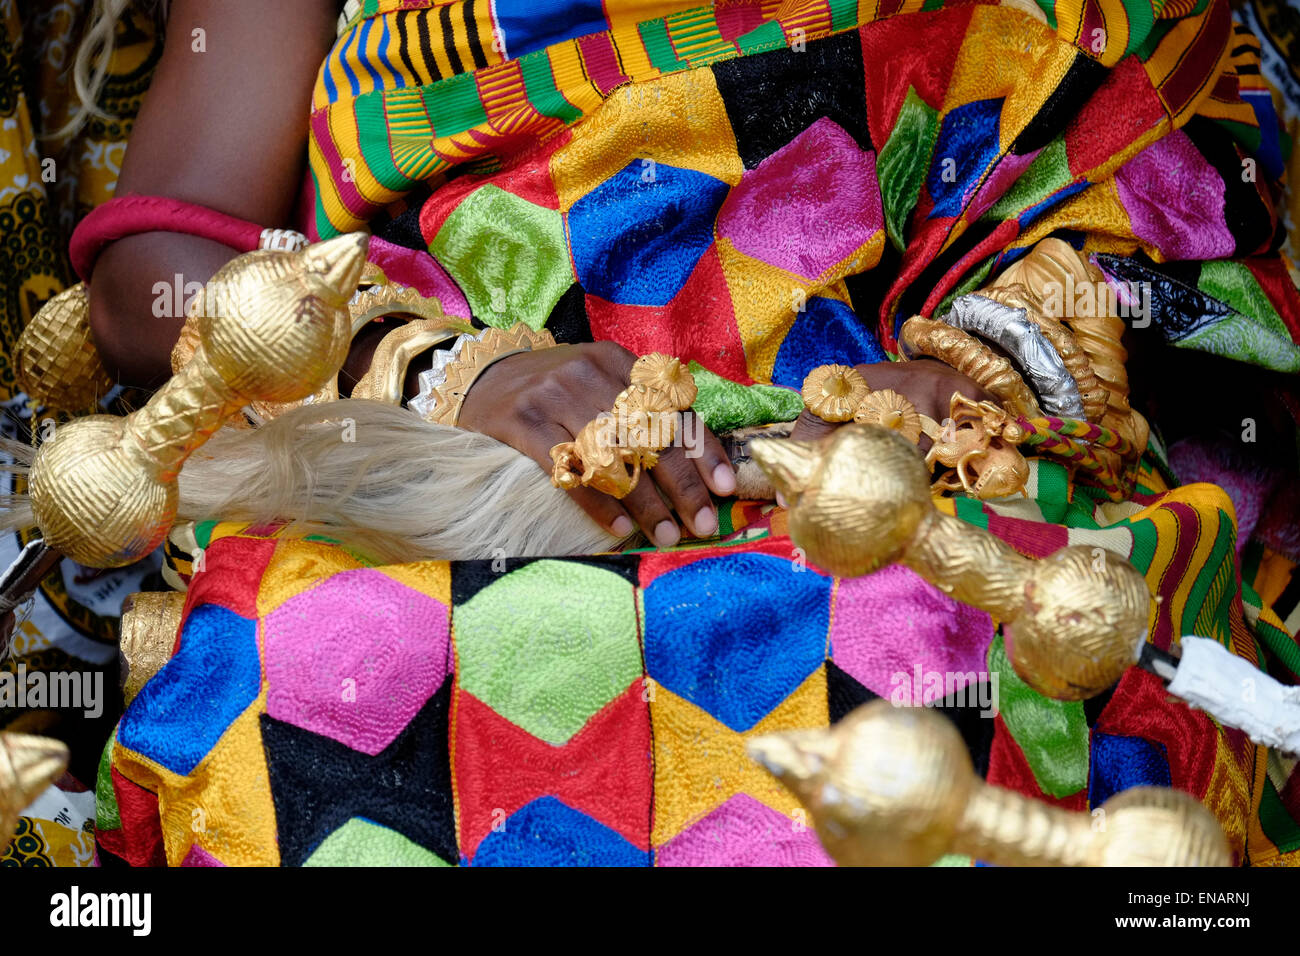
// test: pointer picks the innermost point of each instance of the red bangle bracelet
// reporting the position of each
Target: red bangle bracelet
(131, 215)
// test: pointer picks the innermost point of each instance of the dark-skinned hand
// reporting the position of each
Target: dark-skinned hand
(535, 400)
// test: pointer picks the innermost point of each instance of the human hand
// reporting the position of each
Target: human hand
(926, 383)
(535, 400)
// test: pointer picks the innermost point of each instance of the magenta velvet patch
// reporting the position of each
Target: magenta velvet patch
(808, 205)
(893, 622)
(355, 658)
(1174, 199)
(744, 832)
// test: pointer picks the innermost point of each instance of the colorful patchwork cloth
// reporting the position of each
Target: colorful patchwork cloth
(759, 188)
(319, 710)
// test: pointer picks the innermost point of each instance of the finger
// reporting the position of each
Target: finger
(649, 511)
(685, 487)
(808, 427)
(703, 448)
(603, 509)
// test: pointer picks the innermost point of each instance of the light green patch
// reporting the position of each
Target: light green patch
(902, 163)
(548, 645)
(362, 843)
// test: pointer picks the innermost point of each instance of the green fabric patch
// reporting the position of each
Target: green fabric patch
(203, 533)
(723, 405)
(508, 256)
(1276, 822)
(454, 105)
(769, 36)
(1052, 734)
(548, 645)
(362, 843)
(903, 161)
(1257, 335)
(107, 815)
(539, 83)
(1048, 173)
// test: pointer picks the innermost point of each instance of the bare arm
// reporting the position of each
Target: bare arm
(224, 128)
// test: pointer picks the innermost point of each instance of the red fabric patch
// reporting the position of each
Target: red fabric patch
(1002, 235)
(601, 62)
(232, 575)
(1141, 707)
(1009, 768)
(604, 770)
(1033, 539)
(1123, 108)
(737, 19)
(697, 325)
(920, 51)
(140, 841)
(655, 563)
(1189, 531)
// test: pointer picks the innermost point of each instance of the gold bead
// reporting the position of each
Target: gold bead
(833, 392)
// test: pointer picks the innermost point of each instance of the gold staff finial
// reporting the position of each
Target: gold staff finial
(275, 327)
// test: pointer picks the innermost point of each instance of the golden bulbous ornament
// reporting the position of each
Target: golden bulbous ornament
(891, 410)
(27, 766)
(57, 363)
(668, 375)
(859, 498)
(274, 327)
(894, 786)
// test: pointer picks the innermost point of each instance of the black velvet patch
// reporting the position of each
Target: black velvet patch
(470, 577)
(1076, 87)
(318, 784)
(1243, 210)
(771, 99)
(568, 320)
(976, 730)
(1093, 706)
(843, 692)
(404, 228)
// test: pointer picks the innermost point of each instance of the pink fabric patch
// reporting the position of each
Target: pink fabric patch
(1006, 173)
(744, 832)
(892, 626)
(807, 206)
(1174, 199)
(200, 857)
(355, 658)
(420, 271)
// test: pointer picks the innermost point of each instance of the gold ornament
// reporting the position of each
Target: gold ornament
(384, 381)
(150, 621)
(859, 498)
(977, 442)
(274, 327)
(833, 392)
(888, 409)
(894, 786)
(57, 363)
(1051, 272)
(610, 452)
(970, 357)
(27, 766)
(476, 357)
(666, 374)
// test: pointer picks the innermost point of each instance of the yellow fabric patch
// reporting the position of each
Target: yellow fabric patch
(299, 566)
(427, 577)
(766, 300)
(700, 763)
(678, 119)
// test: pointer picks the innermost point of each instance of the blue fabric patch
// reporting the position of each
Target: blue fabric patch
(546, 832)
(827, 332)
(181, 713)
(637, 236)
(1118, 763)
(530, 25)
(968, 137)
(1058, 197)
(736, 635)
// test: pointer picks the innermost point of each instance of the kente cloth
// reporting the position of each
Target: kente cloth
(46, 185)
(322, 710)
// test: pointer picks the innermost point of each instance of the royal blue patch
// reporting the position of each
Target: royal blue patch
(968, 143)
(181, 713)
(1121, 762)
(546, 832)
(736, 635)
(530, 25)
(637, 236)
(827, 332)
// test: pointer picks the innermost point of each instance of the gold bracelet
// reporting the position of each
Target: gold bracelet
(441, 403)
(970, 357)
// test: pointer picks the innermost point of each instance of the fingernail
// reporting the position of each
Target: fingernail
(666, 534)
(706, 522)
(780, 499)
(724, 480)
(622, 526)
